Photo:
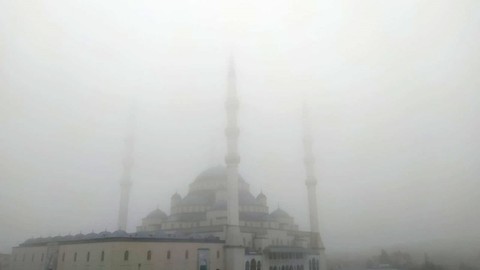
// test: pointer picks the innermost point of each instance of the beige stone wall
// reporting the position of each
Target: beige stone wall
(89, 256)
(29, 258)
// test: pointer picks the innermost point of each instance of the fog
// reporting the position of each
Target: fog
(393, 89)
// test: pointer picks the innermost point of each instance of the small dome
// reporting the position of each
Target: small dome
(104, 234)
(157, 214)
(91, 235)
(261, 196)
(279, 213)
(78, 236)
(68, 237)
(120, 233)
(176, 196)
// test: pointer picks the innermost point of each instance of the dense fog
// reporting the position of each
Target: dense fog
(392, 86)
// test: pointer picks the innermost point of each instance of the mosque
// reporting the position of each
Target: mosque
(218, 225)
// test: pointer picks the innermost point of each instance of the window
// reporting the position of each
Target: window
(218, 254)
(247, 265)
(63, 257)
(88, 256)
(169, 254)
(149, 255)
(259, 265)
(42, 257)
(253, 265)
(125, 255)
(75, 257)
(102, 257)
(186, 254)
(33, 257)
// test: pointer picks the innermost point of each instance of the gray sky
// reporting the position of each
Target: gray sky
(393, 87)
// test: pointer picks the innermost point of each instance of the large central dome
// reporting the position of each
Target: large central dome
(215, 178)
(210, 187)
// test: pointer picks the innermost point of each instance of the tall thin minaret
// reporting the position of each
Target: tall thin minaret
(126, 180)
(234, 251)
(311, 182)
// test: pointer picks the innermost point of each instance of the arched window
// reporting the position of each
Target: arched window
(42, 257)
(259, 265)
(102, 256)
(218, 254)
(88, 256)
(23, 259)
(318, 265)
(63, 257)
(247, 265)
(75, 257)
(253, 264)
(169, 254)
(125, 255)
(149, 255)
(186, 254)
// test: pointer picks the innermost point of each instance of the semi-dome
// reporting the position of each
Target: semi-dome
(157, 214)
(279, 213)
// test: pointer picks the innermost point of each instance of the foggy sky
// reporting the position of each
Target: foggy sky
(393, 88)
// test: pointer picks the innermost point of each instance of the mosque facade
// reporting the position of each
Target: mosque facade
(218, 225)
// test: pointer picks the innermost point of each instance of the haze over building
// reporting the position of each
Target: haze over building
(219, 224)
(392, 88)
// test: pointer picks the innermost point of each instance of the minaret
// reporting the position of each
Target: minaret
(311, 182)
(234, 251)
(126, 181)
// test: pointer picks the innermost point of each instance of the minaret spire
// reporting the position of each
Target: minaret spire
(311, 182)
(234, 251)
(126, 180)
